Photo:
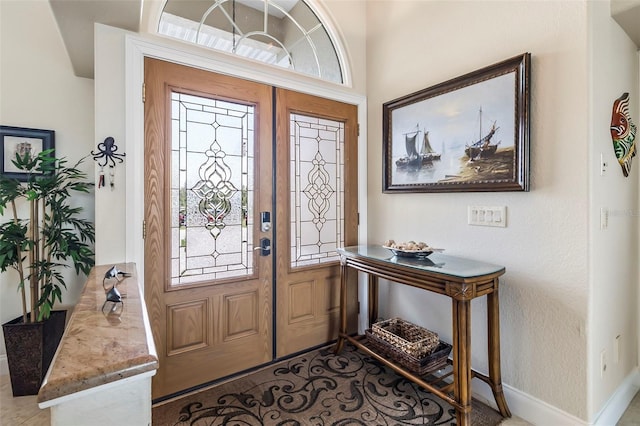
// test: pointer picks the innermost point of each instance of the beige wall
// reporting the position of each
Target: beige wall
(348, 18)
(613, 65)
(38, 90)
(552, 322)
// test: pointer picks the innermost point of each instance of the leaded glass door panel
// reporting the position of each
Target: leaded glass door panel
(212, 161)
(209, 293)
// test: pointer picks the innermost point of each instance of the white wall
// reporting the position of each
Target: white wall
(545, 293)
(111, 208)
(613, 65)
(39, 90)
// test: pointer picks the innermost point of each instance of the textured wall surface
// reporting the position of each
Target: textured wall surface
(570, 292)
(613, 318)
(544, 294)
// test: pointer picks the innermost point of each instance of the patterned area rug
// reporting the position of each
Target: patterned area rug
(318, 388)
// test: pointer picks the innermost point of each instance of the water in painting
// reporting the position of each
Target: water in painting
(459, 136)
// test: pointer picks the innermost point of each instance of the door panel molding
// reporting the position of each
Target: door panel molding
(300, 299)
(187, 326)
(241, 315)
(332, 297)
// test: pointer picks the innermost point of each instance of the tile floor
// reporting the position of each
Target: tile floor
(24, 410)
(631, 417)
(21, 410)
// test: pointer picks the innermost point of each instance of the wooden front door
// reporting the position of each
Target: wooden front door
(209, 185)
(316, 212)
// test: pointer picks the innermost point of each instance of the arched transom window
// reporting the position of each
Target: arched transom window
(285, 33)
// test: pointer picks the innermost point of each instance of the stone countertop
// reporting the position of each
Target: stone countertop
(102, 347)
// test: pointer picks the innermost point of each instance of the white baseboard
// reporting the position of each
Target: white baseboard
(615, 407)
(538, 412)
(4, 366)
(527, 407)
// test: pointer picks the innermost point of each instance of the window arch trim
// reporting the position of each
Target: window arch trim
(152, 15)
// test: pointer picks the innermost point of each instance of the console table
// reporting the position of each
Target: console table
(460, 279)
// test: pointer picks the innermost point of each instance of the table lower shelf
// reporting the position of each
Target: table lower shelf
(434, 381)
(441, 391)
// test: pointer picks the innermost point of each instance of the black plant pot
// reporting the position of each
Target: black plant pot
(30, 349)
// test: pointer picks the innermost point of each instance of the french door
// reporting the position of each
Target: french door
(238, 174)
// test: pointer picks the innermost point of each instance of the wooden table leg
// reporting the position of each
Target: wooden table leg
(342, 332)
(493, 318)
(462, 360)
(373, 299)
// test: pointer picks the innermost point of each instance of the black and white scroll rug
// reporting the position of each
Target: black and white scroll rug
(318, 388)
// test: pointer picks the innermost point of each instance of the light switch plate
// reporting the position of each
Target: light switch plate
(604, 218)
(487, 216)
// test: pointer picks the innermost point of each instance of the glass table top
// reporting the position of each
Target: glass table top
(436, 262)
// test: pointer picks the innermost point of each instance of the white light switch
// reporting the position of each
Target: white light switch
(487, 216)
(604, 218)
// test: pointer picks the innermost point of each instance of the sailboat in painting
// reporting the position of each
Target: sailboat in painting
(482, 148)
(428, 154)
(415, 159)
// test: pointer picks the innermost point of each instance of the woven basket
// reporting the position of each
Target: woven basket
(420, 366)
(406, 337)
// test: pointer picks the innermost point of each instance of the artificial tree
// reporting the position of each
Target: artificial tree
(50, 237)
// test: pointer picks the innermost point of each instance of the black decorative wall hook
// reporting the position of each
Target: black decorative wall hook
(107, 152)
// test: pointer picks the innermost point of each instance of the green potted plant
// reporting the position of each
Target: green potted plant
(38, 247)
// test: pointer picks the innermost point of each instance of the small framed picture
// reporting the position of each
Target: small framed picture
(19, 141)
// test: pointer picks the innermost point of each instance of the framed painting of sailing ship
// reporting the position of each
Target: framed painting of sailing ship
(468, 134)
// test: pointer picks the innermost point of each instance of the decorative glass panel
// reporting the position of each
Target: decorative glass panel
(284, 33)
(317, 189)
(211, 189)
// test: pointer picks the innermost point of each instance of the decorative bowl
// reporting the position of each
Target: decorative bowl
(413, 253)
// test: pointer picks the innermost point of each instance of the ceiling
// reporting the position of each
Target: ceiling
(259, 5)
(627, 15)
(75, 19)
